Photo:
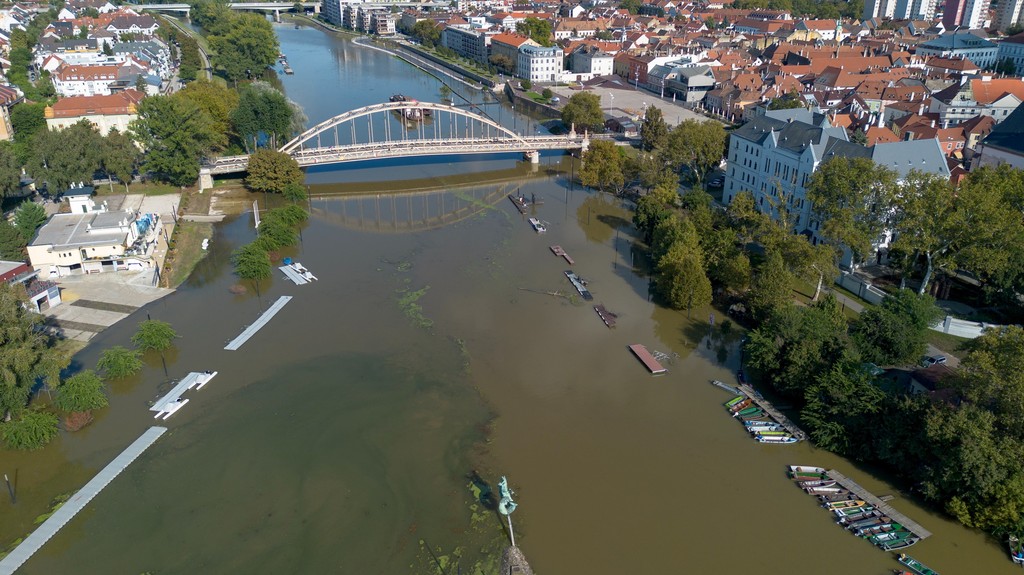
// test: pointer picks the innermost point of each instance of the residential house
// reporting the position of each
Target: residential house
(507, 47)
(115, 111)
(1004, 144)
(980, 96)
(689, 84)
(136, 25)
(591, 61)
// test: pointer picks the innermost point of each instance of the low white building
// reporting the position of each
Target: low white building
(540, 64)
(115, 111)
(591, 60)
(91, 240)
(961, 45)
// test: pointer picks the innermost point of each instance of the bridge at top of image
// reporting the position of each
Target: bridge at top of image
(400, 130)
(283, 6)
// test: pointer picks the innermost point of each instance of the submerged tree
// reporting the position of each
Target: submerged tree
(119, 362)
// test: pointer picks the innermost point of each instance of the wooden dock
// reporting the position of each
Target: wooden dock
(768, 408)
(258, 324)
(880, 505)
(558, 251)
(647, 359)
(77, 502)
(606, 316)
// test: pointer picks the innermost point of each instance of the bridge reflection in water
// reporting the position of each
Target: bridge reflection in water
(407, 211)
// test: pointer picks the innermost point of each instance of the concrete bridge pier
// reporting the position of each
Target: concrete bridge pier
(205, 180)
(533, 156)
(277, 16)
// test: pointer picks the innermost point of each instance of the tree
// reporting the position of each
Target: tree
(120, 156)
(247, 49)
(272, 171)
(503, 63)
(27, 120)
(771, 289)
(63, 157)
(427, 32)
(81, 392)
(854, 199)
(540, 31)
(583, 111)
(119, 362)
(175, 134)
(10, 171)
(602, 167)
(28, 218)
(859, 137)
(12, 243)
(526, 84)
(262, 111)
(632, 6)
(681, 278)
(976, 227)
(30, 430)
(218, 101)
(1006, 67)
(25, 353)
(895, 331)
(696, 145)
(991, 375)
(547, 93)
(837, 404)
(652, 209)
(154, 335)
(787, 102)
(653, 130)
(252, 263)
(294, 192)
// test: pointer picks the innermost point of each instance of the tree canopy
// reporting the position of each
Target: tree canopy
(272, 171)
(81, 392)
(25, 354)
(119, 362)
(154, 335)
(175, 134)
(262, 112)
(71, 155)
(540, 31)
(602, 166)
(653, 130)
(246, 48)
(697, 146)
(583, 111)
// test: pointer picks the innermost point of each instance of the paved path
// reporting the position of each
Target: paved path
(92, 303)
(622, 99)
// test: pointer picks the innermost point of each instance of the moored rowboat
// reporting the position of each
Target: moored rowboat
(806, 469)
(915, 565)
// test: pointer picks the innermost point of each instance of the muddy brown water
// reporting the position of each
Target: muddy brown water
(339, 439)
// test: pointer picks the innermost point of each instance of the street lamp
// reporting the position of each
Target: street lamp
(636, 78)
(611, 107)
(663, 88)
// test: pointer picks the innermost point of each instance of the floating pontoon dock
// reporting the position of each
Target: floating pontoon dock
(577, 283)
(606, 316)
(259, 323)
(558, 251)
(647, 359)
(775, 413)
(60, 517)
(172, 402)
(878, 504)
(297, 274)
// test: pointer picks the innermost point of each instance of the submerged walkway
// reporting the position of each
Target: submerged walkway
(78, 501)
(880, 505)
(259, 323)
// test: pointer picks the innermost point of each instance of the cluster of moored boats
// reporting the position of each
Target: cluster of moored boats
(758, 422)
(856, 515)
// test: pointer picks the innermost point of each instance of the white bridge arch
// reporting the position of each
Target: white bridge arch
(404, 129)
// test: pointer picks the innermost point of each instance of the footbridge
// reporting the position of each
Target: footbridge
(400, 130)
(184, 8)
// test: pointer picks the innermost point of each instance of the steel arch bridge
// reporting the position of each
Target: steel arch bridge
(404, 129)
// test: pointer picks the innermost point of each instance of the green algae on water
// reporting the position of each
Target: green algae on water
(412, 309)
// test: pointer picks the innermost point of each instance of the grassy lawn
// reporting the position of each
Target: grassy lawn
(186, 252)
(803, 292)
(154, 189)
(540, 99)
(948, 343)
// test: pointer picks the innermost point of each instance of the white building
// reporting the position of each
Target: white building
(591, 60)
(1012, 49)
(472, 44)
(540, 64)
(92, 240)
(961, 45)
(774, 156)
(879, 9)
(914, 9)
(979, 96)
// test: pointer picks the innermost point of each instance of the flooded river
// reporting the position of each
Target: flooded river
(441, 339)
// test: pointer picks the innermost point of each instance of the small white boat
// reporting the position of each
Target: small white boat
(776, 439)
(539, 227)
(806, 469)
(171, 408)
(206, 243)
(308, 275)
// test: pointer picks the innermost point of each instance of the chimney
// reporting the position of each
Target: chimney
(933, 123)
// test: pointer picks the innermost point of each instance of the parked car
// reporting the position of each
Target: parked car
(930, 360)
(717, 182)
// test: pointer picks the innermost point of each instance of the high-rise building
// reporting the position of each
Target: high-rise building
(1008, 13)
(879, 9)
(967, 14)
(914, 10)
